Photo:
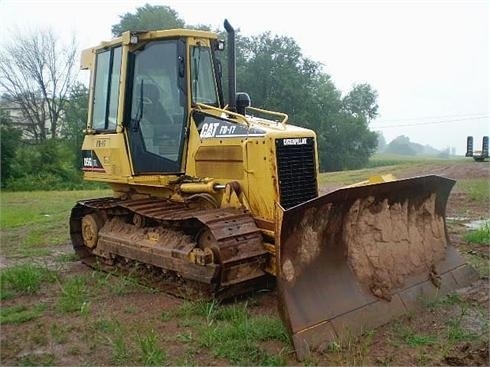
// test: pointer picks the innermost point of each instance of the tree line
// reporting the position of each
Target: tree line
(38, 76)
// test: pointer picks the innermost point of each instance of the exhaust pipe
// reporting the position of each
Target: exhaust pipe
(231, 67)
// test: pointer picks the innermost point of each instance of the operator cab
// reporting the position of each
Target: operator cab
(151, 94)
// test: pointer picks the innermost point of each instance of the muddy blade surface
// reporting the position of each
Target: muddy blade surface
(358, 257)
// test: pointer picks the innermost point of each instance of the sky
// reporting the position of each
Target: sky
(428, 60)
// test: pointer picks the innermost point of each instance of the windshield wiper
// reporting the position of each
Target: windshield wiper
(139, 113)
(197, 62)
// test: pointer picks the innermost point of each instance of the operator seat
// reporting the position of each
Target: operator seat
(163, 136)
(154, 111)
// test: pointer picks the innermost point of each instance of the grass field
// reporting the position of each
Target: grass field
(56, 311)
(31, 223)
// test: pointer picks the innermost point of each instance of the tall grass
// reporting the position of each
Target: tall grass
(477, 189)
(19, 314)
(24, 279)
(231, 332)
(150, 353)
(479, 236)
(74, 295)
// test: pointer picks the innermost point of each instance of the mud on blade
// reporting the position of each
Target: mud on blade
(358, 257)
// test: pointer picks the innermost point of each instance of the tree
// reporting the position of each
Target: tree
(277, 76)
(36, 73)
(347, 143)
(9, 142)
(381, 141)
(401, 145)
(361, 102)
(147, 18)
(75, 121)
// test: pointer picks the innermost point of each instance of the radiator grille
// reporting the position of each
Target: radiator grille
(296, 171)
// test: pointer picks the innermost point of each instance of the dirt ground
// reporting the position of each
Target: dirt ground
(74, 339)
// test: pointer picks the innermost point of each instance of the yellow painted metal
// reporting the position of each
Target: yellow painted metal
(87, 59)
(375, 180)
(284, 117)
(113, 155)
(218, 112)
(248, 161)
(231, 199)
(194, 188)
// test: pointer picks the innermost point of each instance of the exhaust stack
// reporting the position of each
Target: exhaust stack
(231, 66)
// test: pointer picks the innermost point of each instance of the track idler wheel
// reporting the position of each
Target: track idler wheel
(91, 225)
(209, 245)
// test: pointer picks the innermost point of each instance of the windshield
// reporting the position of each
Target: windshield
(157, 111)
(203, 82)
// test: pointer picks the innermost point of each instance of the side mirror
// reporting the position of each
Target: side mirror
(242, 102)
(219, 45)
(181, 67)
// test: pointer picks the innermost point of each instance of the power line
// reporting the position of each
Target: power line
(432, 122)
(406, 119)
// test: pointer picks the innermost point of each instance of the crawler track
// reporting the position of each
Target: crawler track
(214, 252)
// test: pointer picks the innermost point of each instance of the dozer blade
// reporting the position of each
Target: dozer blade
(354, 259)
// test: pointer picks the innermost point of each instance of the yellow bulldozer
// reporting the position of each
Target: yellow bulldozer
(218, 197)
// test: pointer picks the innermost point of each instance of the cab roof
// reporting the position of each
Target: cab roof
(125, 37)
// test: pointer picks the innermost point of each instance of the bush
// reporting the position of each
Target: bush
(9, 141)
(45, 166)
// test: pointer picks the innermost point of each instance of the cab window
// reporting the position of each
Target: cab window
(202, 76)
(156, 105)
(106, 89)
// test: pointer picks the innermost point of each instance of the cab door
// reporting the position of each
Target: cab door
(156, 111)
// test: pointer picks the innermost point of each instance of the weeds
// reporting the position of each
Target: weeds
(479, 236)
(414, 340)
(37, 359)
(477, 189)
(450, 299)
(59, 333)
(184, 337)
(165, 315)
(119, 284)
(198, 308)
(107, 326)
(24, 279)
(38, 335)
(352, 349)
(230, 331)
(457, 333)
(74, 295)
(124, 285)
(236, 336)
(120, 352)
(150, 353)
(67, 258)
(479, 263)
(19, 314)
